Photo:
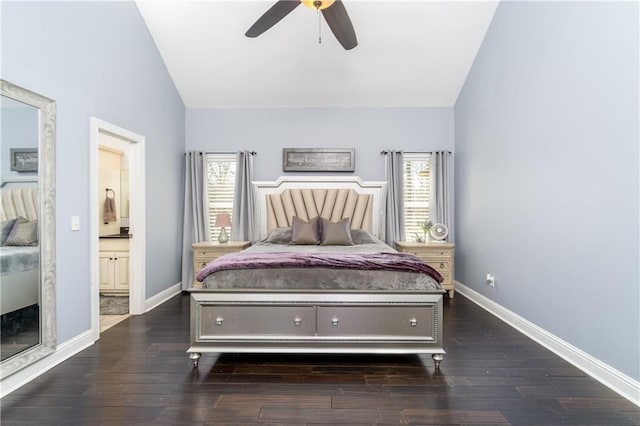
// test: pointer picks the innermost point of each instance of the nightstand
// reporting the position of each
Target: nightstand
(204, 252)
(437, 255)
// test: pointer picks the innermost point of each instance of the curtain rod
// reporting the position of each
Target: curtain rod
(224, 152)
(411, 152)
(229, 152)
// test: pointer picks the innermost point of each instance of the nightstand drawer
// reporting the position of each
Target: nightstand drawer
(434, 253)
(427, 253)
(201, 262)
(439, 265)
(211, 254)
(201, 253)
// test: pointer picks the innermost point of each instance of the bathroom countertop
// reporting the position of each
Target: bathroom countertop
(125, 236)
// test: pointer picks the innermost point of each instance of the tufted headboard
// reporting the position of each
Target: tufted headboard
(19, 202)
(331, 197)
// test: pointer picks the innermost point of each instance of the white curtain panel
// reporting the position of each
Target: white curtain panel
(441, 202)
(394, 211)
(196, 218)
(242, 222)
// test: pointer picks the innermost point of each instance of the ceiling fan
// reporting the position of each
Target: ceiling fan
(333, 11)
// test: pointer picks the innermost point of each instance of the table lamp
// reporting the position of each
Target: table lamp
(222, 221)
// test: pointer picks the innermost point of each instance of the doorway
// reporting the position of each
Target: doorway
(116, 224)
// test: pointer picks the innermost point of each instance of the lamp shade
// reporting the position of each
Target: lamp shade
(223, 220)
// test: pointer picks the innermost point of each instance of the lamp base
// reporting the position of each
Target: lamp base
(223, 237)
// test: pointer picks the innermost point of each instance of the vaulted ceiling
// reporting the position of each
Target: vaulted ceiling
(409, 54)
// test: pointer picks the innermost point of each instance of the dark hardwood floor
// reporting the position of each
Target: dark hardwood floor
(138, 373)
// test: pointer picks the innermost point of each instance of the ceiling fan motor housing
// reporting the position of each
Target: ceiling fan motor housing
(317, 4)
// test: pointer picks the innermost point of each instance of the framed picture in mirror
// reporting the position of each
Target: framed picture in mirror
(24, 159)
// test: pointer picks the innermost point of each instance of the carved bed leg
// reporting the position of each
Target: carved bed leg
(437, 358)
(195, 357)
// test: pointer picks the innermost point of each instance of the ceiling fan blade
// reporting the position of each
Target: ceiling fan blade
(272, 16)
(338, 20)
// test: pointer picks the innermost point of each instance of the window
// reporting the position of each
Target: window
(417, 184)
(221, 180)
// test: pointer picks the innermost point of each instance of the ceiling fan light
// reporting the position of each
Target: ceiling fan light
(323, 4)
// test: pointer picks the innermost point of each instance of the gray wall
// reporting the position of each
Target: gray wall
(98, 59)
(368, 130)
(547, 172)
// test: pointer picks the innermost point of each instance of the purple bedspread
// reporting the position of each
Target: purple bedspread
(402, 262)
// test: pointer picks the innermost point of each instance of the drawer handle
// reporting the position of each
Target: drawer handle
(297, 321)
(441, 265)
(334, 321)
(413, 322)
(219, 320)
(204, 264)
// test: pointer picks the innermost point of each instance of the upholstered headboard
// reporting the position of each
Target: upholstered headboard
(19, 202)
(331, 197)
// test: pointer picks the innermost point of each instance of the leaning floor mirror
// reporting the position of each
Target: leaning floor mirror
(27, 214)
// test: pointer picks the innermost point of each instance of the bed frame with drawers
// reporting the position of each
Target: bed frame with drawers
(317, 321)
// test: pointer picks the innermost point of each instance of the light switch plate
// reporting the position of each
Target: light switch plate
(75, 223)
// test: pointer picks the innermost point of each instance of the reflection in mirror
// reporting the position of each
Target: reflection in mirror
(27, 215)
(19, 249)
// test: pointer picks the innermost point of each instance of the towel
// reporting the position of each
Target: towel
(110, 210)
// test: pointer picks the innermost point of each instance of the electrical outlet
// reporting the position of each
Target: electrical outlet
(491, 280)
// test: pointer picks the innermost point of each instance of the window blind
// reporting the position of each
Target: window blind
(417, 185)
(221, 179)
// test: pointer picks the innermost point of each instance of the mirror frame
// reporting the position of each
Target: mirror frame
(47, 236)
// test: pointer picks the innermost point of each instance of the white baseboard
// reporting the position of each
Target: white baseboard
(617, 381)
(63, 352)
(162, 297)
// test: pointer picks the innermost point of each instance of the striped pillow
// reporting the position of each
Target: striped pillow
(305, 233)
(335, 234)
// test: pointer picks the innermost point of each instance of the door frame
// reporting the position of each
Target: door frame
(137, 186)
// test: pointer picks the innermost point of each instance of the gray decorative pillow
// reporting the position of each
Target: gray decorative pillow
(279, 236)
(335, 234)
(360, 236)
(305, 233)
(7, 226)
(24, 233)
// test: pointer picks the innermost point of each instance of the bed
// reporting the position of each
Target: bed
(278, 297)
(19, 258)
